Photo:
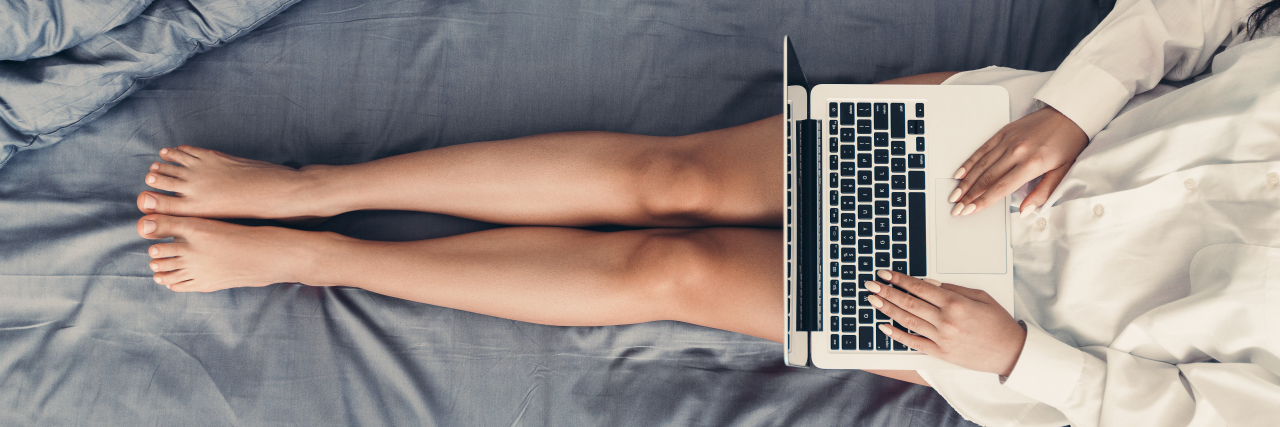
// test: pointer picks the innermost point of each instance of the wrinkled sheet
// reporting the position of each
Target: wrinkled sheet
(87, 338)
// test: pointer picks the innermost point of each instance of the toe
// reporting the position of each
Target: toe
(162, 226)
(180, 157)
(197, 152)
(192, 285)
(167, 250)
(166, 264)
(163, 182)
(152, 202)
(170, 278)
(168, 170)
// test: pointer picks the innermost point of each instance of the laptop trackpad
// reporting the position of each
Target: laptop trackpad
(973, 244)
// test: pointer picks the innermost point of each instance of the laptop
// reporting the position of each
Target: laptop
(868, 172)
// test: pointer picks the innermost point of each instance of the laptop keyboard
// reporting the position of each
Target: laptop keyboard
(876, 180)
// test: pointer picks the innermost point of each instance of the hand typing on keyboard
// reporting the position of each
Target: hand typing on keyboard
(1045, 142)
(960, 325)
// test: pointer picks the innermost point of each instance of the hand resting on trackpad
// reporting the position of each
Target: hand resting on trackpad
(973, 244)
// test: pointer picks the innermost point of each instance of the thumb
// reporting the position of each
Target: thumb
(1040, 194)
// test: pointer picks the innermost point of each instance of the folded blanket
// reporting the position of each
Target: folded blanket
(33, 29)
(46, 98)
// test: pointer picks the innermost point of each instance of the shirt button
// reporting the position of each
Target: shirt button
(1273, 179)
(1190, 184)
(1097, 210)
(1041, 223)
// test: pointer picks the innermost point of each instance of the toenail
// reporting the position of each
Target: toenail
(154, 252)
(148, 202)
(158, 280)
(155, 267)
(155, 166)
(164, 151)
(151, 179)
(148, 226)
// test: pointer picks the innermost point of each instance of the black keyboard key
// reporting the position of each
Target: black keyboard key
(881, 316)
(835, 254)
(915, 161)
(848, 186)
(897, 346)
(864, 247)
(864, 211)
(864, 109)
(882, 173)
(835, 323)
(835, 341)
(915, 180)
(835, 197)
(833, 128)
(897, 119)
(866, 315)
(848, 237)
(849, 308)
(864, 229)
(882, 260)
(835, 233)
(898, 148)
(848, 152)
(846, 110)
(864, 127)
(882, 139)
(849, 272)
(848, 203)
(864, 143)
(899, 216)
(920, 143)
(849, 324)
(881, 157)
(864, 177)
(880, 112)
(833, 109)
(835, 269)
(897, 164)
(834, 214)
(915, 127)
(835, 306)
(849, 290)
(866, 338)
(864, 279)
(882, 191)
(847, 135)
(848, 254)
(848, 169)
(862, 297)
(898, 200)
(864, 160)
(864, 194)
(919, 110)
(835, 162)
(864, 264)
(917, 244)
(899, 266)
(847, 342)
(848, 220)
(835, 180)
(899, 182)
(899, 251)
(882, 207)
(882, 225)
(883, 342)
(835, 144)
(899, 234)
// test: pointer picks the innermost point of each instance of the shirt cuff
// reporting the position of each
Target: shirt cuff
(1047, 369)
(1085, 94)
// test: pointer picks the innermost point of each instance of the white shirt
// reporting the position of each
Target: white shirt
(1150, 281)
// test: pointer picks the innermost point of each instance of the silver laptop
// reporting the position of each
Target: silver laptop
(868, 170)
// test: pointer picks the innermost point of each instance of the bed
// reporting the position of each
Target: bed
(87, 338)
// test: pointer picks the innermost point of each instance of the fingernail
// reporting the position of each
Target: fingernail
(164, 151)
(960, 173)
(154, 252)
(884, 327)
(151, 179)
(957, 208)
(955, 195)
(148, 202)
(968, 209)
(148, 226)
(1027, 210)
(885, 274)
(872, 286)
(933, 282)
(875, 301)
(157, 279)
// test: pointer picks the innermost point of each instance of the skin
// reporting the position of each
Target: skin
(710, 258)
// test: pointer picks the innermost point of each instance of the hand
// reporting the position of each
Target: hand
(960, 325)
(1045, 142)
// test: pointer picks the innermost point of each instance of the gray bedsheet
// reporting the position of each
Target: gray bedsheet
(87, 339)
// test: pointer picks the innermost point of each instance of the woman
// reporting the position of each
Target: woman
(725, 273)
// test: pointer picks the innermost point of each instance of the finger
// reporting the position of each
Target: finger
(163, 182)
(990, 177)
(970, 179)
(917, 342)
(979, 153)
(1041, 193)
(173, 155)
(1002, 188)
(168, 169)
(935, 296)
(970, 293)
(906, 302)
(903, 317)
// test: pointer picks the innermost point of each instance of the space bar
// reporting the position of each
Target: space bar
(916, 234)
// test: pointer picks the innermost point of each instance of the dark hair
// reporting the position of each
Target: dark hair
(1259, 17)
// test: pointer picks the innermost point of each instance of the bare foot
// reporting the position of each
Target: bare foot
(208, 255)
(212, 184)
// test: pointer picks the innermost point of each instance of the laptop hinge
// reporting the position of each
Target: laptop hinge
(807, 234)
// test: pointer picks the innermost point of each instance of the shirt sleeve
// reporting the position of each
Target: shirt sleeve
(1139, 43)
(1104, 387)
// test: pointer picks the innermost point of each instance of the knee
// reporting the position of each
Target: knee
(671, 184)
(672, 269)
